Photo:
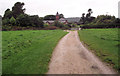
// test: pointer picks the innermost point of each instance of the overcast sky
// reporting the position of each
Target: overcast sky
(70, 8)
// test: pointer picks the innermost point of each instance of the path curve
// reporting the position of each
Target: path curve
(71, 57)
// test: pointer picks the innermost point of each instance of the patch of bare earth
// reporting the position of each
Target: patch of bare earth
(71, 57)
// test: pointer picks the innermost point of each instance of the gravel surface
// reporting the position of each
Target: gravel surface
(71, 57)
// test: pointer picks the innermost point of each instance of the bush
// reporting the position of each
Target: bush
(6, 21)
(58, 24)
(6, 28)
(65, 27)
(12, 21)
(46, 25)
(100, 26)
(51, 28)
(26, 20)
(23, 20)
(103, 21)
(36, 21)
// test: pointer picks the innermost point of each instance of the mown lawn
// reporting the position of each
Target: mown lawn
(104, 42)
(28, 52)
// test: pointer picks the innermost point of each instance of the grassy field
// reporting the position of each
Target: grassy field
(104, 42)
(28, 52)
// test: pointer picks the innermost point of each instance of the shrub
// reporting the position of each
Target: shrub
(6, 28)
(6, 21)
(25, 20)
(12, 21)
(65, 27)
(58, 24)
(51, 28)
(103, 21)
(46, 25)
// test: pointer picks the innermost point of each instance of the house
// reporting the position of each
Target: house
(72, 20)
(49, 22)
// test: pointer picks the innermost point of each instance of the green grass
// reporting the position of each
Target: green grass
(0, 52)
(28, 52)
(104, 42)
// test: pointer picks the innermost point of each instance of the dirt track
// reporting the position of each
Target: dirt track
(71, 57)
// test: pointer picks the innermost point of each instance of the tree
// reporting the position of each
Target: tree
(61, 16)
(88, 18)
(7, 14)
(88, 15)
(105, 21)
(83, 18)
(50, 17)
(12, 21)
(90, 11)
(17, 9)
(36, 21)
(6, 21)
(23, 20)
(58, 24)
(26, 20)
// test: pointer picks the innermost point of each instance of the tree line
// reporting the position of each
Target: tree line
(101, 21)
(18, 17)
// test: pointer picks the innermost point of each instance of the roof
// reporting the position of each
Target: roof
(62, 19)
(70, 20)
(50, 21)
(74, 19)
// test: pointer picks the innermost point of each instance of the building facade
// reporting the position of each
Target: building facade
(72, 20)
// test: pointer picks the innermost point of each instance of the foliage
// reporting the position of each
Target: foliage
(16, 28)
(88, 15)
(65, 27)
(17, 17)
(8, 14)
(50, 17)
(36, 21)
(61, 16)
(83, 18)
(46, 25)
(6, 21)
(23, 20)
(58, 24)
(17, 9)
(6, 28)
(26, 20)
(88, 18)
(104, 42)
(12, 20)
(24, 51)
(104, 21)
(51, 28)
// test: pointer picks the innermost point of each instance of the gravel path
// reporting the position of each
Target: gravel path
(71, 57)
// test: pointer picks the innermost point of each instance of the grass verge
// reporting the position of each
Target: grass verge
(28, 52)
(104, 42)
